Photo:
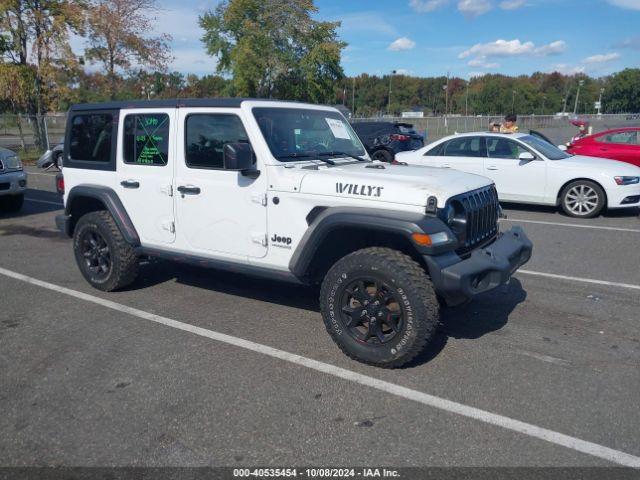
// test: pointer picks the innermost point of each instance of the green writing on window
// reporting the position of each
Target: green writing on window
(146, 139)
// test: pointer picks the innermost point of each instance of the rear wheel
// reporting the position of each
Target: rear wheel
(382, 156)
(379, 307)
(105, 259)
(11, 203)
(582, 199)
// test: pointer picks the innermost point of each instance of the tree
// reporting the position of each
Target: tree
(118, 38)
(274, 48)
(42, 27)
(622, 92)
(17, 89)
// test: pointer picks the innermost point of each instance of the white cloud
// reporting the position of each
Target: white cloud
(473, 8)
(566, 69)
(601, 58)
(482, 63)
(403, 71)
(628, 4)
(512, 4)
(422, 6)
(553, 48)
(499, 48)
(477, 74)
(512, 48)
(402, 43)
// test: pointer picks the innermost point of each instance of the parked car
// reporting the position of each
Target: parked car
(384, 139)
(284, 191)
(13, 181)
(52, 157)
(527, 169)
(618, 144)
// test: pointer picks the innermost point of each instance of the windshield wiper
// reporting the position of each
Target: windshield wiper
(344, 154)
(306, 155)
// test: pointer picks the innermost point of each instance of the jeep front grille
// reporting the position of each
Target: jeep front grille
(480, 210)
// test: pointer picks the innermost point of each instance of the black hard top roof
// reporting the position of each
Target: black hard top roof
(170, 103)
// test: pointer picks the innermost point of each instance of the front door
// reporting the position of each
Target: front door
(515, 179)
(218, 212)
(146, 160)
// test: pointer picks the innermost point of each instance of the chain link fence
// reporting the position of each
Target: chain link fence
(26, 132)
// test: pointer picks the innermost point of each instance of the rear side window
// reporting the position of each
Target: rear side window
(91, 138)
(146, 139)
(465, 147)
(206, 135)
(625, 138)
(436, 151)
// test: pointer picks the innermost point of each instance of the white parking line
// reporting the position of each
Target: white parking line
(579, 279)
(589, 448)
(573, 225)
(44, 201)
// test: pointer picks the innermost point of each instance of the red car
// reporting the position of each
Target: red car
(618, 144)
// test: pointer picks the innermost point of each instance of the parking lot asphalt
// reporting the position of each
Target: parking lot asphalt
(88, 384)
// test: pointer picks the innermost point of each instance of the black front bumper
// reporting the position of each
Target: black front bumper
(459, 280)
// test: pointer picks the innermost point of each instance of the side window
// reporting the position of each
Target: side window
(503, 148)
(90, 137)
(146, 139)
(628, 138)
(206, 135)
(465, 147)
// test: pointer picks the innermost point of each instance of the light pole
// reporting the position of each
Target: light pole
(446, 101)
(575, 107)
(513, 101)
(600, 101)
(544, 99)
(353, 98)
(393, 72)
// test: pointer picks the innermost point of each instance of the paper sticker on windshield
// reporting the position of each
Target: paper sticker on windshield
(338, 128)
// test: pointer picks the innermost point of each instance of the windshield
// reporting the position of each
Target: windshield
(295, 133)
(545, 148)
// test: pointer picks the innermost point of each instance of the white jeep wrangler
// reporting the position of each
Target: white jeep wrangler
(285, 191)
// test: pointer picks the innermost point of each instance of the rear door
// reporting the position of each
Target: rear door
(466, 154)
(145, 166)
(515, 179)
(623, 146)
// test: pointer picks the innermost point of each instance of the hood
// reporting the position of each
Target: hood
(383, 182)
(601, 165)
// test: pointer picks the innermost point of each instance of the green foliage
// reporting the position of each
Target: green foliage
(274, 48)
(622, 93)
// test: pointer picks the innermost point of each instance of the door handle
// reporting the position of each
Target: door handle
(189, 190)
(492, 167)
(130, 184)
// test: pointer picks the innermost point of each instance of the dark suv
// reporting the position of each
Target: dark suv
(384, 139)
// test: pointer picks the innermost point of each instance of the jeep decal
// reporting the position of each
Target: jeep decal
(281, 242)
(355, 189)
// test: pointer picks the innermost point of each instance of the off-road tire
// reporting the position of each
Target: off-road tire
(124, 262)
(589, 186)
(382, 156)
(11, 203)
(420, 305)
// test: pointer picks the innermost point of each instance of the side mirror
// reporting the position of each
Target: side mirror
(238, 157)
(526, 156)
(562, 147)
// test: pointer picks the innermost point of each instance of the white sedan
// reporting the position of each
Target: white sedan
(527, 169)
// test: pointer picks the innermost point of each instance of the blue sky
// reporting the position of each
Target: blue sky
(465, 37)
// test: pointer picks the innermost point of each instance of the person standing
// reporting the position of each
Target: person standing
(509, 125)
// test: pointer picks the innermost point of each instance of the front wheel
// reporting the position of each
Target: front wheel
(382, 156)
(379, 307)
(582, 199)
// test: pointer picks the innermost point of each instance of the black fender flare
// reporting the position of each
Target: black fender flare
(112, 203)
(373, 219)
